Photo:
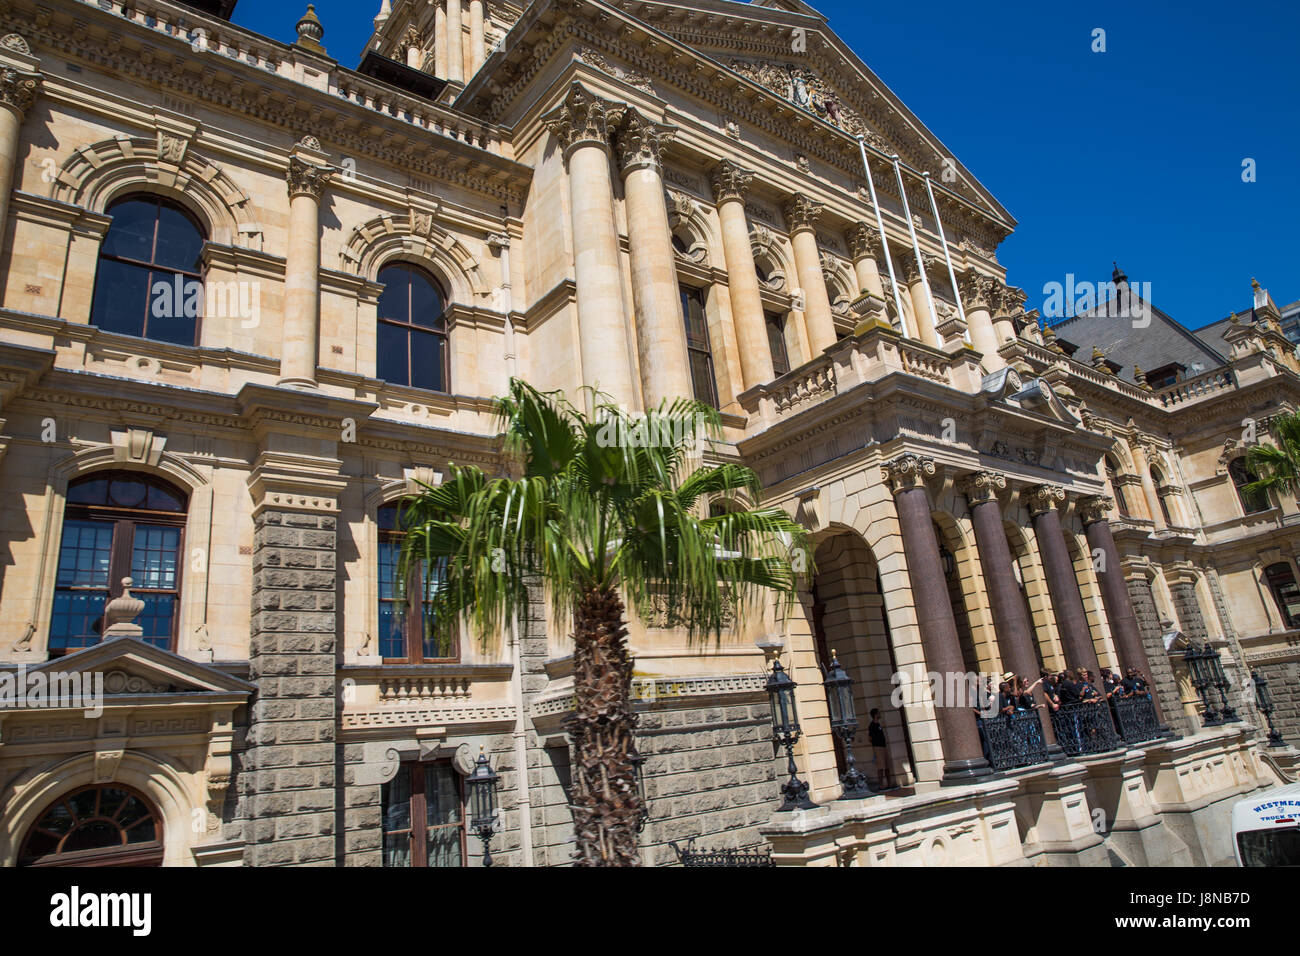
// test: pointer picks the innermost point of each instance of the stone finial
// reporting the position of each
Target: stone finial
(582, 119)
(982, 486)
(120, 612)
(802, 212)
(639, 142)
(1094, 508)
(730, 181)
(1140, 377)
(1050, 341)
(864, 241)
(310, 31)
(308, 179)
(1099, 361)
(907, 472)
(1042, 498)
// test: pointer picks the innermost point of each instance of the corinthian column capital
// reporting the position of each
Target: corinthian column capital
(1043, 498)
(1094, 508)
(905, 262)
(802, 212)
(639, 142)
(977, 289)
(907, 472)
(582, 119)
(864, 241)
(307, 179)
(18, 89)
(982, 486)
(730, 181)
(1008, 300)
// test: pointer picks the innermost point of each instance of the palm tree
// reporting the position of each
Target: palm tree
(1277, 466)
(600, 508)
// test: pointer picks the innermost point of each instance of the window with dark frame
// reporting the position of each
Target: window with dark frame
(1242, 475)
(424, 816)
(405, 626)
(96, 825)
(1281, 581)
(118, 525)
(698, 352)
(1112, 476)
(149, 278)
(411, 334)
(776, 342)
(1158, 479)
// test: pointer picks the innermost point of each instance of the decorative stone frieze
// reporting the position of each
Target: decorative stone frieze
(907, 472)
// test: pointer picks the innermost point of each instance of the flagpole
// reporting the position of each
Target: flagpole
(916, 245)
(884, 240)
(952, 275)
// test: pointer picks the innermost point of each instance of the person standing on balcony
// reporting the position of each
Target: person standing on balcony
(880, 749)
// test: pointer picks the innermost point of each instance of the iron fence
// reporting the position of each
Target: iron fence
(1085, 728)
(1013, 740)
(1136, 719)
(737, 856)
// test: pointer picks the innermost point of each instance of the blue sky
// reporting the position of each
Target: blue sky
(1134, 154)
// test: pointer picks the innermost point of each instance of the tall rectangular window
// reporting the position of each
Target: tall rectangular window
(424, 818)
(776, 342)
(405, 623)
(697, 347)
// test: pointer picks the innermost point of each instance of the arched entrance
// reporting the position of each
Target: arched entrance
(848, 618)
(98, 825)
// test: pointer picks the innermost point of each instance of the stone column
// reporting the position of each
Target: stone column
(1015, 633)
(476, 51)
(1006, 302)
(308, 177)
(730, 184)
(1062, 582)
(1114, 588)
(19, 85)
(581, 124)
(455, 43)
(413, 43)
(801, 214)
(660, 325)
(1142, 461)
(440, 40)
(963, 755)
(976, 298)
(911, 273)
(864, 244)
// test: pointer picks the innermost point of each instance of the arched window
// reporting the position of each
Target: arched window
(1243, 475)
(118, 525)
(1112, 477)
(1158, 479)
(405, 626)
(149, 281)
(100, 825)
(698, 351)
(1281, 581)
(412, 334)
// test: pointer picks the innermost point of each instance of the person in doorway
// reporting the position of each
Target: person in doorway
(880, 748)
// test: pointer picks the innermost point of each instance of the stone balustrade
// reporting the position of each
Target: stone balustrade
(1193, 389)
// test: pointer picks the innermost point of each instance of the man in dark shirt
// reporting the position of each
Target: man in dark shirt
(880, 747)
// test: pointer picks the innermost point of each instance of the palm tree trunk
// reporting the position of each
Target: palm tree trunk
(605, 803)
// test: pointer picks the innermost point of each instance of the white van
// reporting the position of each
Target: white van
(1266, 828)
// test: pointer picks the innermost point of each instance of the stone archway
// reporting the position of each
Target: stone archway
(849, 620)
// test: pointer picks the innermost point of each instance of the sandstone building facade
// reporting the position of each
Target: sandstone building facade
(252, 298)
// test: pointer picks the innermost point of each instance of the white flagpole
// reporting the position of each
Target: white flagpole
(884, 240)
(916, 245)
(947, 257)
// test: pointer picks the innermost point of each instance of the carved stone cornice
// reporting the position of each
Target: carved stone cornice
(639, 142)
(907, 472)
(730, 181)
(308, 179)
(1042, 498)
(18, 89)
(977, 290)
(583, 119)
(864, 241)
(802, 212)
(1094, 508)
(982, 486)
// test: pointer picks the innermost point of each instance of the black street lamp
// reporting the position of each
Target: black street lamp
(844, 724)
(1202, 677)
(1264, 701)
(482, 784)
(638, 767)
(785, 731)
(1221, 683)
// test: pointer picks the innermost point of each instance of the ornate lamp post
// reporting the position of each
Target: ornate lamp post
(1221, 683)
(482, 784)
(785, 731)
(1202, 677)
(638, 763)
(844, 724)
(1264, 701)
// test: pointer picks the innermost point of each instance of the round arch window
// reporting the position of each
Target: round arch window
(99, 825)
(411, 347)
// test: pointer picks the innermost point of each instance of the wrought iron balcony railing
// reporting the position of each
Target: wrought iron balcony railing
(1136, 719)
(743, 856)
(1014, 740)
(1085, 728)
